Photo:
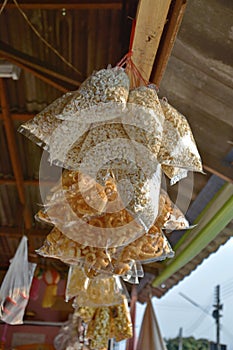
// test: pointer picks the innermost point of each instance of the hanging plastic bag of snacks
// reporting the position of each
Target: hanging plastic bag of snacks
(99, 291)
(152, 246)
(14, 292)
(96, 216)
(178, 148)
(170, 217)
(62, 127)
(94, 260)
(106, 322)
(144, 119)
(72, 335)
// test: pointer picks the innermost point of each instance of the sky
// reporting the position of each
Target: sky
(173, 311)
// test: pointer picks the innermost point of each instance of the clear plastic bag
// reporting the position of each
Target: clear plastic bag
(170, 217)
(72, 335)
(174, 174)
(14, 292)
(178, 152)
(98, 330)
(99, 291)
(94, 260)
(144, 120)
(62, 127)
(121, 325)
(136, 271)
(76, 194)
(106, 322)
(95, 215)
(96, 129)
(152, 246)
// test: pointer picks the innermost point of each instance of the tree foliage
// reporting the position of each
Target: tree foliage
(188, 344)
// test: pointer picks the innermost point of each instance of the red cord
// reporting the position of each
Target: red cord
(127, 60)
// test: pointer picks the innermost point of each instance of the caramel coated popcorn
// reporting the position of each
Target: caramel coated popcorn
(107, 322)
(121, 325)
(99, 328)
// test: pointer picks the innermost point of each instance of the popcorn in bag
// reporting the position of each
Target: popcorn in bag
(178, 152)
(114, 137)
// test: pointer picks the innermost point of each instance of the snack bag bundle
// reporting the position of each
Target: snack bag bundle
(114, 140)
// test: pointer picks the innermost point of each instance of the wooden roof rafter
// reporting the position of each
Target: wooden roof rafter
(13, 151)
(68, 5)
(42, 70)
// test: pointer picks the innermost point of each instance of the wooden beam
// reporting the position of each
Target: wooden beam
(29, 182)
(7, 181)
(217, 167)
(22, 117)
(41, 69)
(68, 5)
(175, 16)
(150, 21)
(13, 151)
(43, 77)
(15, 232)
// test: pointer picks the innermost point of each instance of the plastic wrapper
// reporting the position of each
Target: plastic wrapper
(95, 260)
(100, 291)
(94, 131)
(14, 292)
(106, 322)
(105, 231)
(178, 148)
(75, 194)
(121, 326)
(174, 174)
(144, 121)
(98, 330)
(170, 216)
(72, 335)
(96, 215)
(86, 313)
(134, 273)
(52, 128)
(152, 246)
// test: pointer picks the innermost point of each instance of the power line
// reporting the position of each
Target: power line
(226, 331)
(228, 296)
(227, 281)
(230, 291)
(227, 293)
(200, 319)
(171, 306)
(230, 286)
(193, 302)
(197, 323)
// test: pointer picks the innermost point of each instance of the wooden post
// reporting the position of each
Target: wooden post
(150, 21)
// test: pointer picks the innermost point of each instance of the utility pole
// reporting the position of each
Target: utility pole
(216, 315)
(180, 339)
